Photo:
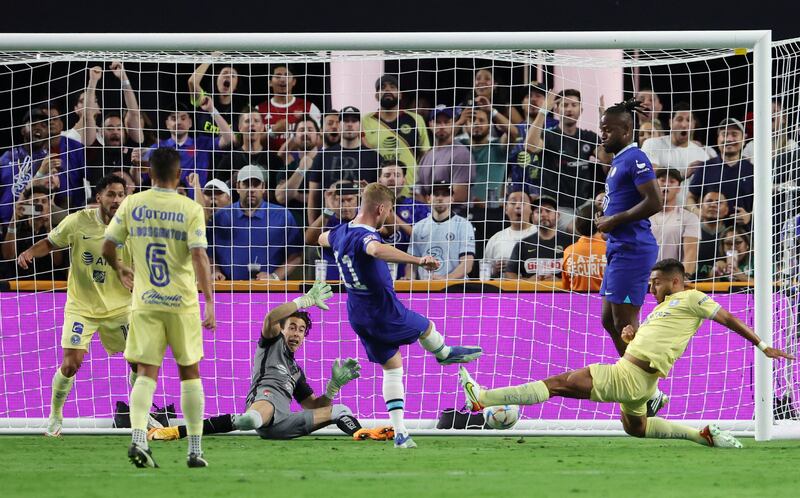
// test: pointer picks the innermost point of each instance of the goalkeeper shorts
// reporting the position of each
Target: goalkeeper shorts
(624, 383)
(77, 331)
(285, 424)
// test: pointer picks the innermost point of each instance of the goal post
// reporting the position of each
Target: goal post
(524, 48)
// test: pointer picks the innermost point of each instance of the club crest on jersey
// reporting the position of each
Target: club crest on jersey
(267, 392)
(87, 258)
(75, 339)
(451, 236)
(405, 129)
(586, 148)
(674, 302)
(405, 214)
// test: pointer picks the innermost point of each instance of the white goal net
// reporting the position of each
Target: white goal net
(506, 141)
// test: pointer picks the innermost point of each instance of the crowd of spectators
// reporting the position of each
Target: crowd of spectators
(490, 187)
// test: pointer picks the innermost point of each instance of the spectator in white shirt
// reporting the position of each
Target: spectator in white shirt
(677, 230)
(518, 211)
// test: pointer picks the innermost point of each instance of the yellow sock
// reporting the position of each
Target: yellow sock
(61, 387)
(658, 428)
(192, 405)
(141, 401)
(527, 394)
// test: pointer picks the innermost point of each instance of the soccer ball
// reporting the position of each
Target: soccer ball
(501, 417)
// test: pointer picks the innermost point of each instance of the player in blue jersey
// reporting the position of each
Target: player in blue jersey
(382, 323)
(632, 196)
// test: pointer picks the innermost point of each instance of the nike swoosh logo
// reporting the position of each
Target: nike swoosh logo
(86, 238)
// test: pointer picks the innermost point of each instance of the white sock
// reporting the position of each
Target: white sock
(434, 343)
(247, 421)
(394, 396)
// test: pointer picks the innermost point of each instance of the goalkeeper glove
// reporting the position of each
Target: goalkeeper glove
(341, 374)
(316, 296)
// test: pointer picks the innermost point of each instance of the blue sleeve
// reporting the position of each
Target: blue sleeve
(641, 169)
(315, 172)
(76, 165)
(367, 238)
(696, 184)
(294, 240)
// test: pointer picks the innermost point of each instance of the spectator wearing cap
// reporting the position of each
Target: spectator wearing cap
(213, 196)
(196, 152)
(677, 230)
(584, 262)
(447, 162)
(518, 211)
(677, 150)
(283, 109)
(340, 205)
(396, 134)
(729, 173)
(350, 160)
(254, 239)
(539, 256)
(447, 237)
(252, 149)
(567, 174)
(58, 165)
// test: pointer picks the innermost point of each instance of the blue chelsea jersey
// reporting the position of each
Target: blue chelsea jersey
(629, 169)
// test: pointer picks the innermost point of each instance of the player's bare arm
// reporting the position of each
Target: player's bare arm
(202, 269)
(391, 254)
(650, 204)
(724, 318)
(124, 272)
(37, 250)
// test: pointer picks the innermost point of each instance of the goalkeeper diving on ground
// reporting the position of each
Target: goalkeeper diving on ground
(277, 378)
(651, 352)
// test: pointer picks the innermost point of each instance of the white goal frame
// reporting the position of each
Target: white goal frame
(759, 41)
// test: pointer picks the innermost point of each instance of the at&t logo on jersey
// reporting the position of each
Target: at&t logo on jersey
(87, 258)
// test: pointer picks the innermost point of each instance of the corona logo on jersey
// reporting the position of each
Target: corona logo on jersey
(541, 266)
(142, 213)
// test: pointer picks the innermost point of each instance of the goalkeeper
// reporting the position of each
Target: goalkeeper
(276, 378)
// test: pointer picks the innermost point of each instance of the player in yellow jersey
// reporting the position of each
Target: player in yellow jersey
(166, 235)
(652, 351)
(96, 299)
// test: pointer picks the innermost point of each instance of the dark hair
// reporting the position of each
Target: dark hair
(584, 221)
(279, 65)
(36, 189)
(569, 92)
(109, 180)
(394, 162)
(625, 107)
(112, 114)
(670, 265)
(303, 315)
(307, 117)
(163, 162)
(669, 172)
(682, 106)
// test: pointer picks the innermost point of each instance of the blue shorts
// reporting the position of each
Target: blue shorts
(627, 274)
(383, 336)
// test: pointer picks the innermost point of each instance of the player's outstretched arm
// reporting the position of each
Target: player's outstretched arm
(202, 269)
(391, 254)
(316, 296)
(37, 250)
(723, 317)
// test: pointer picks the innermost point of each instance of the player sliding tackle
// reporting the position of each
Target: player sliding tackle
(277, 377)
(382, 323)
(652, 351)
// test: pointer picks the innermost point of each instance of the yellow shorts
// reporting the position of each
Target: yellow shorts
(624, 383)
(78, 331)
(152, 331)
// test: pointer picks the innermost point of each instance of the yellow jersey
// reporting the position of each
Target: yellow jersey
(664, 335)
(403, 141)
(161, 227)
(93, 289)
